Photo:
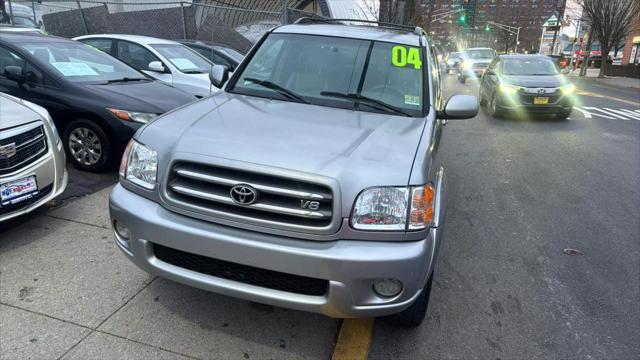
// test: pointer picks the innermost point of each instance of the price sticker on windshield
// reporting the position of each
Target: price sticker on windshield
(402, 57)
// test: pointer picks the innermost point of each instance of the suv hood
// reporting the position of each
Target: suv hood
(359, 149)
(535, 81)
(143, 96)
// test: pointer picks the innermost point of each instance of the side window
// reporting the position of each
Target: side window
(32, 75)
(135, 55)
(435, 72)
(100, 44)
(9, 58)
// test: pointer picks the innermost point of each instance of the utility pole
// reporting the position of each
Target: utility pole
(587, 53)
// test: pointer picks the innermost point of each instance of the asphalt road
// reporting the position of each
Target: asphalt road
(521, 192)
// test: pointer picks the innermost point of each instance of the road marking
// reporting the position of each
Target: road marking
(633, 116)
(631, 112)
(608, 113)
(354, 339)
(592, 94)
(586, 114)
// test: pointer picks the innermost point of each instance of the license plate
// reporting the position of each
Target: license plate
(18, 190)
(540, 100)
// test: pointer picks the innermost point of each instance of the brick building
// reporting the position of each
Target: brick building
(454, 33)
(631, 53)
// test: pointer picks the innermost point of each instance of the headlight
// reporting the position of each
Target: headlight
(388, 208)
(568, 89)
(509, 89)
(138, 117)
(56, 136)
(139, 165)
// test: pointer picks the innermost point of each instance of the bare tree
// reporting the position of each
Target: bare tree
(373, 6)
(391, 11)
(610, 21)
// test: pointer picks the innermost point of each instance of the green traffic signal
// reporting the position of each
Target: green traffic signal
(463, 18)
(487, 28)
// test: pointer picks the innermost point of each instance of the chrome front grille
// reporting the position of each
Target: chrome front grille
(21, 146)
(290, 203)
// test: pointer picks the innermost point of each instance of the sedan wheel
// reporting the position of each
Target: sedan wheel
(85, 146)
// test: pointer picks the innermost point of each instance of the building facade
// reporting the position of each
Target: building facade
(469, 27)
(631, 52)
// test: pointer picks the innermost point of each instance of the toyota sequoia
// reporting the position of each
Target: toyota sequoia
(311, 181)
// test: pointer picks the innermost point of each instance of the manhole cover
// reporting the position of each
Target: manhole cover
(572, 252)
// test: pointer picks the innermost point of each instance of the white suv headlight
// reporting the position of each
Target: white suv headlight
(392, 208)
(139, 165)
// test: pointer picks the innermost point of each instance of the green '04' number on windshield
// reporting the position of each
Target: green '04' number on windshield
(401, 56)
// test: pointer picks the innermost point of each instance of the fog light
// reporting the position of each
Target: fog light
(387, 287)
(121, 230)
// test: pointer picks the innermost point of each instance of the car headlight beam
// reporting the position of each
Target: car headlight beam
(509, 89)
(568, 89)
(139, 165)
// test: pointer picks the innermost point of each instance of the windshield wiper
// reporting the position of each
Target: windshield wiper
(381, 105)
(193, 72)
(279, 89)
(125, 79)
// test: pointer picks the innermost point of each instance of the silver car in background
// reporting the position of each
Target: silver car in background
(32, 160)
(168, 61)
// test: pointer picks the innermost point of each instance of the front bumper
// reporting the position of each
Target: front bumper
(563, 105)
(349, 266)
(51, 176)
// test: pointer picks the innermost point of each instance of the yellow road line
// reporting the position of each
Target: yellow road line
(591, 94)
(354, 339)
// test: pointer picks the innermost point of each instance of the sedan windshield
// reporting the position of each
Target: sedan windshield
(478, 54)
(529, 67)
(339, 72)
(78, 62)
(183, 58)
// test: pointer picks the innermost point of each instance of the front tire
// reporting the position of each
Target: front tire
(483, 101)
(563, 115)
(494, 109)
(462, 79)
(414, 314)
(87, 146)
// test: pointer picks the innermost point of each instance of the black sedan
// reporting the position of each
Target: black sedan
(218, 54)
(525, 85)
(96, 102)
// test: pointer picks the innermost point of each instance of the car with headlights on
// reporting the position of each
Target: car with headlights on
(96, 101)
(165, 60)
(453, 60)
(474, 62)
(526, 85)
(32, 161)
(311, 181)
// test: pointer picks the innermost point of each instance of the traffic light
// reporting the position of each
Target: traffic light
(487, 28)
(463, 18)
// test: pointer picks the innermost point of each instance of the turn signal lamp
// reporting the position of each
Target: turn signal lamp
(422, 207)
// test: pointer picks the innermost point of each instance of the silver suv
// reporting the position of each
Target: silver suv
(310, 182)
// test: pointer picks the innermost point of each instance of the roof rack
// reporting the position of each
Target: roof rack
(307, 20)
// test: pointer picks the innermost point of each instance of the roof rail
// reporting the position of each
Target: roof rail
(307, 20)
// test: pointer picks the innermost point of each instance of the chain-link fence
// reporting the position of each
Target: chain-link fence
(235, 23)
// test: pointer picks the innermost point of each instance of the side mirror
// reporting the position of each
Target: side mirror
(156, 66)
(218, 75)
(460, 107)
(14, 73)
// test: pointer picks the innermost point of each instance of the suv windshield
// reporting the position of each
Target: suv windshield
(529, 67)
(183, 58)
(347, 73)
(478, 54)
(78, 62)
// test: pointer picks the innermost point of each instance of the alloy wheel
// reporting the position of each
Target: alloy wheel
(84, 146)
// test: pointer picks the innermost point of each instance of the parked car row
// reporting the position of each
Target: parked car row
(95, 97)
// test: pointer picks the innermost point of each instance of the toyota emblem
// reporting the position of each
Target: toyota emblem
(243, 194)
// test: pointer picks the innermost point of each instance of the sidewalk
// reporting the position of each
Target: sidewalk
(617, 81)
